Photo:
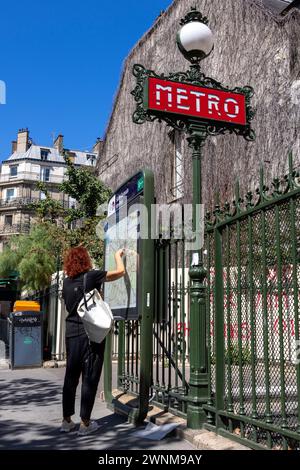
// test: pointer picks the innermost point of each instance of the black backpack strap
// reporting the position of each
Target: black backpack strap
(84, 288)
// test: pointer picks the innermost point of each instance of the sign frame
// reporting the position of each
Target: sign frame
(146, 247)
(182, 122)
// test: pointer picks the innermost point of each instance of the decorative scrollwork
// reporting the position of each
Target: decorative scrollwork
(193, 76)
(255, 200)
(194, 15)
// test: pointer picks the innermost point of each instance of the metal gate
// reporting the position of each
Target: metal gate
(252, 252)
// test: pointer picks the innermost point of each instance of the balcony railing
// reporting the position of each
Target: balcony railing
(21, 202)
(8, 229)
(29, 176)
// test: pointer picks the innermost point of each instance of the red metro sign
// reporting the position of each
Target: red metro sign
(207, 104)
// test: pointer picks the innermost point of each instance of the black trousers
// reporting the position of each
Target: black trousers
(85, 359)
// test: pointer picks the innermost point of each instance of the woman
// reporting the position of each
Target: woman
(84, 358)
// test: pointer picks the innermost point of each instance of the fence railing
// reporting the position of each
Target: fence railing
(253, 316)
(252, 253)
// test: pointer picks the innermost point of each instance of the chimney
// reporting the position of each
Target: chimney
(13, 146)
(59, 143)
(98, 146)
(23, 141)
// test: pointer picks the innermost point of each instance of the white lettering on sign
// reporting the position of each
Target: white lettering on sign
(198, 95)
(213, 104)
(181, 96)
(236, 107)
(201, 102)
(160, 88)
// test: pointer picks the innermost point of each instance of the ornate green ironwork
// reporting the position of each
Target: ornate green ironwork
(254, 200)
(194, 15)
(255, 279)
(193, 76)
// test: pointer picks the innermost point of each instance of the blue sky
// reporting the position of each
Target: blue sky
(61, 61)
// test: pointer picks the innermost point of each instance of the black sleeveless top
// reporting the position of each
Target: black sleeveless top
(72, 294)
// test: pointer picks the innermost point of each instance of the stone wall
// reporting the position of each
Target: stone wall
(252, 47)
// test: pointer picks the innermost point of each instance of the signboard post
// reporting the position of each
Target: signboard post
(199, 106)
(128, 226)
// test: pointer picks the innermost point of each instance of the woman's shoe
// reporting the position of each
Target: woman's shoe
(67, 426)
(84, 430)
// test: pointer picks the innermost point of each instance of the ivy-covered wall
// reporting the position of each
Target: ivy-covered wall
(252, 47)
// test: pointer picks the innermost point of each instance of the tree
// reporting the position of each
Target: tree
(35, 255)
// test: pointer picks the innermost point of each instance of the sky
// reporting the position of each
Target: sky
(61, 61)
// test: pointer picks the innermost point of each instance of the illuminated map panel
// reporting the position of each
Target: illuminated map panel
(129, 216)
(122, 294)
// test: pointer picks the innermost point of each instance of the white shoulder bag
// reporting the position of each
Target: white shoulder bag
(96, 314)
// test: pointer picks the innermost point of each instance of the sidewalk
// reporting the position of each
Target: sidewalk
(30, 415)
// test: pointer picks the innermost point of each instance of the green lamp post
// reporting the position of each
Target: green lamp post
(195, 42)
(199, 106)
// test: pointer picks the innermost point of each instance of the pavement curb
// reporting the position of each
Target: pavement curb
(200, 438)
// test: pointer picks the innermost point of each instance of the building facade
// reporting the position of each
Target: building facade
(27, 165)
(257, 43)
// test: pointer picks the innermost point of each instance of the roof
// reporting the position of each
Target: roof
(34, 153)
(279, 6)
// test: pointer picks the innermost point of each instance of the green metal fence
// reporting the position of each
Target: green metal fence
(252, 252)
(253, 264)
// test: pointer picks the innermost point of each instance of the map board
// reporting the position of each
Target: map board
(122, 231)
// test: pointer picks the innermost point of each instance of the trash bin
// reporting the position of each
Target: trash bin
(25, 339)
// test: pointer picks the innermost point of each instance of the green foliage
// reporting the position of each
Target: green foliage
(88, 190)
(48, 208)
(33, 256)
(233, 357)
(36, 255)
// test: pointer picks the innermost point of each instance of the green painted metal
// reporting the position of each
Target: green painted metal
(219, 326)
(121, 356)
(198, 382)
(193, 76)
(242, 381)
(252, 318)
(108, 369)
(295, 294)
(260, 257)
(134, 372)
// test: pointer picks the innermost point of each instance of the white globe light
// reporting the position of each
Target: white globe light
(196, 37)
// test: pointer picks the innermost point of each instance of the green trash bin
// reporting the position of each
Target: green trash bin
(25, 339)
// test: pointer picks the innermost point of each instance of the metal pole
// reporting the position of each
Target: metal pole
(54, 338)
(198, 384)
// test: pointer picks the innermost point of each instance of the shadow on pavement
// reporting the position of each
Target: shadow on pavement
(30, 419)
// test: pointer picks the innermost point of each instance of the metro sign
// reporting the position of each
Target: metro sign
(203, 103)
(190, 100)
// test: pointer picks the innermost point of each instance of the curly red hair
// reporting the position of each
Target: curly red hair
(76, 261)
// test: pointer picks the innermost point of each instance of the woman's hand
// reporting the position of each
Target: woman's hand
(120, 269)
(120, 253)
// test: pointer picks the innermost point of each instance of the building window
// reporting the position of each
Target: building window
(44, 154)
(8, 219)
(91, 158)
(10, 194)
(178, 166)
(13, 170)
(45, 175)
